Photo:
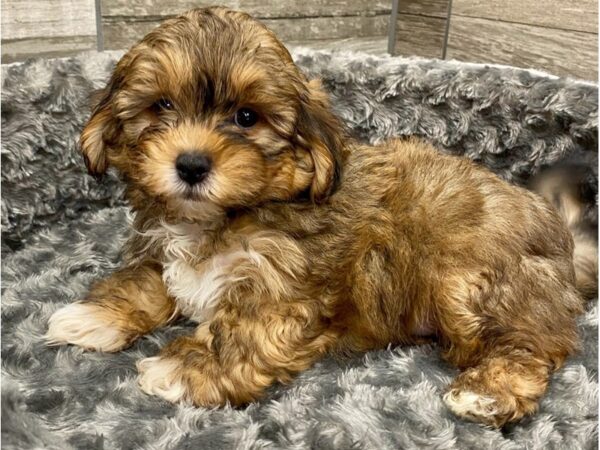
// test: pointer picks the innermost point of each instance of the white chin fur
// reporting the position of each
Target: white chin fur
(80, 324)
(161, 377)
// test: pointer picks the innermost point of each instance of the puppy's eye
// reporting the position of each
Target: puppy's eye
(164, 104)
(245, 118)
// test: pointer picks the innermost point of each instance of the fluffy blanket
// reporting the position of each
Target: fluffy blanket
(62, 230)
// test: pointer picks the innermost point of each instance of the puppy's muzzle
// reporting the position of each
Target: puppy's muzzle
(192, 167)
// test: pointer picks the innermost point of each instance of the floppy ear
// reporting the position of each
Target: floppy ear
(321, 132)
(100, 125)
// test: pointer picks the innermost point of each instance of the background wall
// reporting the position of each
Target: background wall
(360, 23)
(559, 36)
(47, 27)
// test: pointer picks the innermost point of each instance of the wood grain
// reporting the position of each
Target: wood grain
(120, 34)
(156, 9)
(420, 36)
(18, 50)
(328, 27)
(564, 53)
(314, 8)
(374, 45)
(577, 15)
(430, 8)
(47, 28)
(47, 18)
(420, 27)
(257, 8)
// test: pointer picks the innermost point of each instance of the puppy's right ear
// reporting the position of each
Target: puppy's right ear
(101, 125)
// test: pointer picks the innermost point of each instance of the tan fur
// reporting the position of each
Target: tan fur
(129, 304)
(313, 243)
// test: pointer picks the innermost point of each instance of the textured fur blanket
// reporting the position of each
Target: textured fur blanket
(62, 230)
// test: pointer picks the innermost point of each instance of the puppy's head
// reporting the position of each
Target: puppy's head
(210, 108)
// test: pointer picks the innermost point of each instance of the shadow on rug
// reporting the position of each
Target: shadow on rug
(62, 230)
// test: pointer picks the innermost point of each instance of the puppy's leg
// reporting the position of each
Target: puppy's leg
(236, 356)
(499, 389)
(509, 329)
(118, 310)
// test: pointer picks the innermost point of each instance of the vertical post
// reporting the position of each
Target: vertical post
(392, 27)
(447, 30)
(99, 34)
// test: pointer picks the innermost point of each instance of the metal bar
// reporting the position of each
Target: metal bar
(392, 27)
(99, 34)
(447, 30)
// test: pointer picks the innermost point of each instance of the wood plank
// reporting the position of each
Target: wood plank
(328, 27)
(430, 8)
(314, 8)
(156, 9)
(47, 18)
(578, 15)
(257, 8)
(120, 34)
(18, 50)
(374, 45)
(419, 36)
(564, 53)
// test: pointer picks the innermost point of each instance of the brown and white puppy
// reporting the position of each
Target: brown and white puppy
(258, 218)
(567, 187)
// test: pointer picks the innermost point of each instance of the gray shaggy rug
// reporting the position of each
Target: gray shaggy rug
(62, 230)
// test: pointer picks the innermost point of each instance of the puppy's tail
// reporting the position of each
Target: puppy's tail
(569, 189)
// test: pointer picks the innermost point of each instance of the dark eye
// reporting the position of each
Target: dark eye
(245, 117)
(164, 104)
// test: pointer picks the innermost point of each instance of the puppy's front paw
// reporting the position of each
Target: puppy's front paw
(86, 325)
(162, 377)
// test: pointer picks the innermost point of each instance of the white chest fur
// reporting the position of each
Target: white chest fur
(195, 280)
(197, 290)
(198, 279)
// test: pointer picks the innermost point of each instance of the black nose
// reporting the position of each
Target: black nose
(192, 167)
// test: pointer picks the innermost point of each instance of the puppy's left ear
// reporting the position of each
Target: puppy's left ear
(321, 133)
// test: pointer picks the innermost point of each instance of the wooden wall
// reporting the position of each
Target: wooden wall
(47, 28)
(421, 27)
(559, 36)
(316, 22)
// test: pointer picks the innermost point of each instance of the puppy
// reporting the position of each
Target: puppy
(570, 188)
(258, 218)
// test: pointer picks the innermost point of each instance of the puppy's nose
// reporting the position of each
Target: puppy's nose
(192, 167)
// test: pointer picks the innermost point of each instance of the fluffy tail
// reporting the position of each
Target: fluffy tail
(568, 189)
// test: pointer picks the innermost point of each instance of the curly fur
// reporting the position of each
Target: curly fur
(373, 402)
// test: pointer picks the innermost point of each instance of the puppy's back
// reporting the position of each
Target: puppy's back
(454, 204)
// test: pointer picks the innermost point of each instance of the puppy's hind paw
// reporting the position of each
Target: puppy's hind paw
(86, 325)
(162, 377)
(471, 405)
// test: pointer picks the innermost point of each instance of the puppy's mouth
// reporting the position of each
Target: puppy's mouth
(195, 192)
(192, 193)
(191, 201)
